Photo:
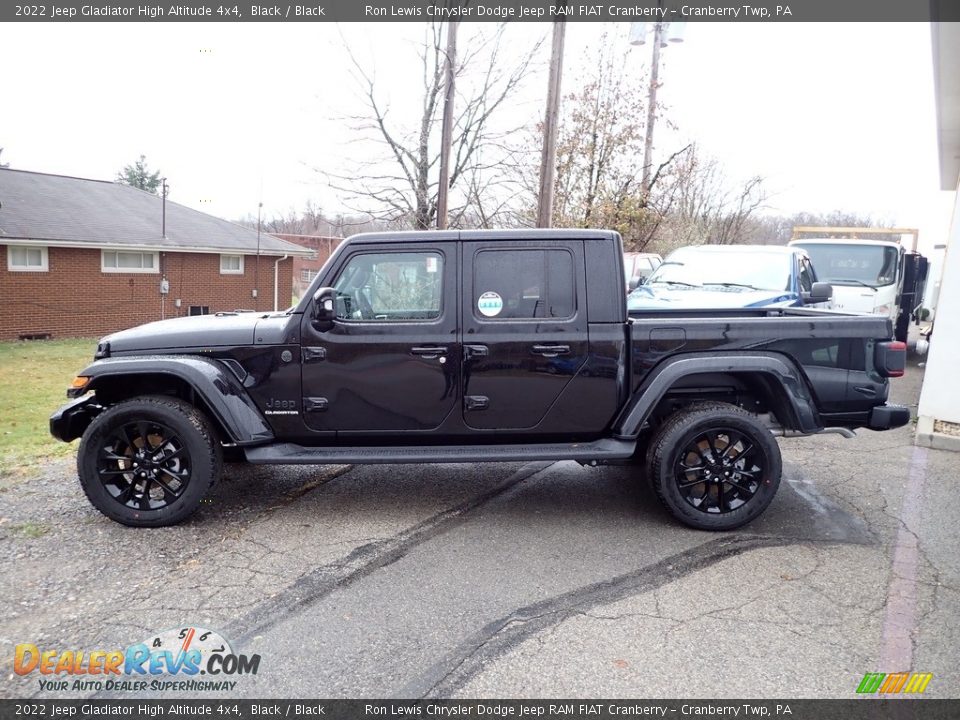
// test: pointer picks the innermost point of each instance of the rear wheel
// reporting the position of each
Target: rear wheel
(149, 461)
(714, 466)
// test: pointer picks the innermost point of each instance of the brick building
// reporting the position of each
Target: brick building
(305, 268)
(88, 257)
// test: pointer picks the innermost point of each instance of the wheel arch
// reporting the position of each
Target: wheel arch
(774, 383)
(205, 383)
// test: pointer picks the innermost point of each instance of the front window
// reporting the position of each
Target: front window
(390, 287)
(847, 264)
(735, 269)
(27, 259)
(120, 261)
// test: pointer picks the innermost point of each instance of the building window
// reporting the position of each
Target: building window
(231, 264)
(307, 275)
(121, 261)
(27, 259)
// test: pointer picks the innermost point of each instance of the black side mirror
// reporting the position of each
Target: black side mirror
(635, 283)
(324, 305)
(820, 292)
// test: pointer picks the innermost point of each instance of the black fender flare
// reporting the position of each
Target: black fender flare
(797, 402)
(221, 390)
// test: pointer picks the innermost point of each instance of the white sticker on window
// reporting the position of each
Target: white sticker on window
(431, 263)
(490, 304)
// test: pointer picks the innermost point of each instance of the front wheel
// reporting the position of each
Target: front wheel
(149, 461)
(714, 466)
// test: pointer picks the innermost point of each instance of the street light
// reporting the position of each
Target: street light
(663, 33)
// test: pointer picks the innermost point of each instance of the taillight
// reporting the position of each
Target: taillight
(890, 358)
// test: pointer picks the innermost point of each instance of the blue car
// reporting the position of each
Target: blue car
(732, 276)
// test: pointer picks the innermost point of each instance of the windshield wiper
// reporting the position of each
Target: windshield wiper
(730, 284)
(676, 282)
(856, 282)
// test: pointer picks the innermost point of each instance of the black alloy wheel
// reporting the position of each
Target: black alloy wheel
(144, 465)
(149, 461)
(714, 466)
(720, 470)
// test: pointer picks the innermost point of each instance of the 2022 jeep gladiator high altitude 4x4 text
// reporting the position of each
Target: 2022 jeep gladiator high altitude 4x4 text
(475, 346)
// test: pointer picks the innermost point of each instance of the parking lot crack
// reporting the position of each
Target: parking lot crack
(499, 636)
(368, 558)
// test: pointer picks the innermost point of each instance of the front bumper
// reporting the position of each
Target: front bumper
(886, 417)
(69, 422)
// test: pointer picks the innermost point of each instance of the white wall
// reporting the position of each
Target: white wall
(940, 396)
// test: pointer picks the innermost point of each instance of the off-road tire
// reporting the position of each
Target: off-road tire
(200, 447)
(677, 435)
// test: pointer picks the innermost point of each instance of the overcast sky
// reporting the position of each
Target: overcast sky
(835, 116)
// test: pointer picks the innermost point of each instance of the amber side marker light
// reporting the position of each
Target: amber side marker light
(78, 386)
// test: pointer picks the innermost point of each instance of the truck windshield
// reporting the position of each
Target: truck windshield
(727, 269)
(848, 264)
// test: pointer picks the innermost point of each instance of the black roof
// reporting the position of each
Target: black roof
(78, 212)
(486, 235)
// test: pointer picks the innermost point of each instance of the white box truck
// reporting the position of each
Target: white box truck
(868, 275)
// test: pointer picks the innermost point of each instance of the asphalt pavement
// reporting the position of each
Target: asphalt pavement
(512, 580)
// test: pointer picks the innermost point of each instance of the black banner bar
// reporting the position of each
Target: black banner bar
(482, 11)
(863, 708)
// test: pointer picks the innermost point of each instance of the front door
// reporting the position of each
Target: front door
(390, 361)
(524, 333)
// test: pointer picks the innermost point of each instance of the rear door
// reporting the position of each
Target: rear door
(524, 331)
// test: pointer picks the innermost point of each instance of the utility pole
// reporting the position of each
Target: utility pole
(163, 221)
(446, 136)
(651, 109)
(548, 159)
(256, 269)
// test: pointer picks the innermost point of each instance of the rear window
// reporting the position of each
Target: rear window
(523, 285)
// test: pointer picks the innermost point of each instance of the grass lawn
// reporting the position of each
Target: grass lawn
(33, 380)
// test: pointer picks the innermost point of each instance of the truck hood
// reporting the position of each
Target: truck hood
(200, 331)
(654, 297)
(856, 298)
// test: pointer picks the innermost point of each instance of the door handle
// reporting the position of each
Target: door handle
(429, 352)
(550, 351)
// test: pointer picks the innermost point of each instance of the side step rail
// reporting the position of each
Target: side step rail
(290, 454)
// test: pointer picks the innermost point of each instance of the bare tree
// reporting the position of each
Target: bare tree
(401, 184)
(600, 153)
(312, 220)
(709, 208)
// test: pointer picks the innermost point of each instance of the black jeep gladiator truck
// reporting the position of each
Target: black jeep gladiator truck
(470, 346)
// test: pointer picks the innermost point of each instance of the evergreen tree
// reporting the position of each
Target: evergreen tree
(139, 176)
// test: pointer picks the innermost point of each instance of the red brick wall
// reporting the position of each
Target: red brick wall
(322, 245)
(75, 299)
